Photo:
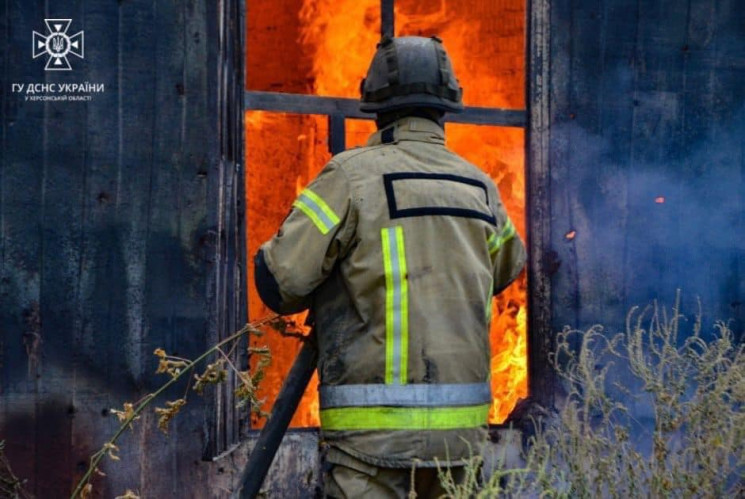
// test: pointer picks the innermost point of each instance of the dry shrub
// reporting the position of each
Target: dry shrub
(648, 413)
(177, 367)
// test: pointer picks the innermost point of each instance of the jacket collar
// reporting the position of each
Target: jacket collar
(409, 128)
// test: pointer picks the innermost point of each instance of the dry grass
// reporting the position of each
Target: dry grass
(10, 485)
(652, 412)
(177, 368)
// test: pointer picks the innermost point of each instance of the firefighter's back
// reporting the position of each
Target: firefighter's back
(403, 318)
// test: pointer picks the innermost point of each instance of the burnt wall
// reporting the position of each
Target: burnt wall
(115, 212)
(115, 221)
(646, 159)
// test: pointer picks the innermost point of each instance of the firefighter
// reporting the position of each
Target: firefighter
(397, 248)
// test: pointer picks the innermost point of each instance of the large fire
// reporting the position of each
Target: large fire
(323, 47)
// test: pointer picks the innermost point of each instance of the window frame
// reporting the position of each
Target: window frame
(534, 119)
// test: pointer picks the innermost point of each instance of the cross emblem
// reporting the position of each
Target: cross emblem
(58, 45)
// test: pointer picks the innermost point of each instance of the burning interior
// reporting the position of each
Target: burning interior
(322, 48)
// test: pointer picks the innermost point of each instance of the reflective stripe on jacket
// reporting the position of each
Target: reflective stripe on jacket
(400, 245)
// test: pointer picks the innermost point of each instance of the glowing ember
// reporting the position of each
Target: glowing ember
(337, 40)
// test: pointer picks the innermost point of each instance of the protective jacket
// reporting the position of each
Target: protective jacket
(398, 248)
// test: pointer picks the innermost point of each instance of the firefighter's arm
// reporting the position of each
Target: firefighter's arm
(314, 235)
(507, 251)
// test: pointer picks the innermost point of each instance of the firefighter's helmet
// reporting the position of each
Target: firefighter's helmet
(410, 71)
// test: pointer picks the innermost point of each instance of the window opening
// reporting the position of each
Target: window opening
(304, 62)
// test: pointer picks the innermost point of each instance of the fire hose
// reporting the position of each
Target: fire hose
(271, 434)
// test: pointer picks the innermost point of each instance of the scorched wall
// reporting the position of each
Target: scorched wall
(119, 217)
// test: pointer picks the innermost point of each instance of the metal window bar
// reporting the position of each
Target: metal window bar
(386, 18)
(338, 109)
(313, 104)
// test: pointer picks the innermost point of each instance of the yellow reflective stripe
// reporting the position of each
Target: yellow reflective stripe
(404, 418)
(404, 338)
(507, 233)
(396, 305)
(388, 306)
(494, 242)
(313, 217)
(487, 310)
(491, 242)
(322, 216)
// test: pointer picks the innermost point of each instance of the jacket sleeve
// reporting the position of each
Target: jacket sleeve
(315, 234)
(506, 249)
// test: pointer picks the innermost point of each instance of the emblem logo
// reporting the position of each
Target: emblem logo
(57, 44)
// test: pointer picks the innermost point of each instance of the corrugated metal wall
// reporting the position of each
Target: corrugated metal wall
(646, 158)
(116, 237)
(119, 225)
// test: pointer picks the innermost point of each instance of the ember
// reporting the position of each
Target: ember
(336, 41)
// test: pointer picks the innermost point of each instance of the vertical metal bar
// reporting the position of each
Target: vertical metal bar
(337, 133)
(242, 422)
(225, 422)
(386, 18)
(541, 379)
(216, 318)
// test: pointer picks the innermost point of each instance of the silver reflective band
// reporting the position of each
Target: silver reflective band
(420, 395)
(327, 217)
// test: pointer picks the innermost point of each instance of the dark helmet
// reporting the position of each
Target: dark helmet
(410, 71)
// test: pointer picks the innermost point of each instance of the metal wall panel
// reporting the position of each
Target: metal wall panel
(115, 238)
(646, 103)
(119, 223)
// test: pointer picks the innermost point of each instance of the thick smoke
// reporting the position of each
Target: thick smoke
(671, 216)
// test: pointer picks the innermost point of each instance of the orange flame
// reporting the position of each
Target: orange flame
(336, 42)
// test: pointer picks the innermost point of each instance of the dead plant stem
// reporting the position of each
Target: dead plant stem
(96, 458)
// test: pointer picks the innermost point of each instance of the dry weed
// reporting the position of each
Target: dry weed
(650, 412)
